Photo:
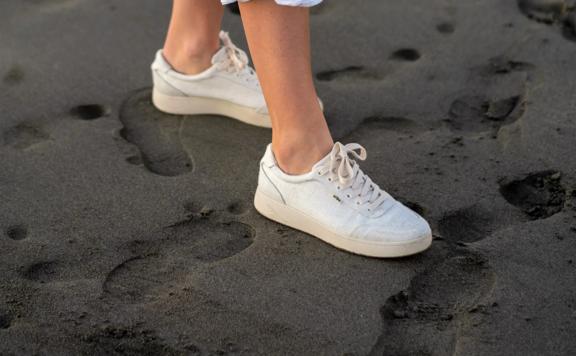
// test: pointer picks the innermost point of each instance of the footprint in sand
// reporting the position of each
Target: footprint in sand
(445, 28)
(397, 124)
(48, 271)
(501, 65)
(5, 320)
(90, 111)
(545, 11)
(539, 195)
(478, 113)
(237, 208)
(426, 319)
(157, 136)
(558, 13)
(569, 26)
(23, 136)
(17, 232)
(43, 272)
(127, 340)
(13, 76)
(469, 224)
(135, 160)
(170, 254)
(360, 73)
(497, 101)
(393, 123)
(405, 55)
(350, 73)
(477, 221)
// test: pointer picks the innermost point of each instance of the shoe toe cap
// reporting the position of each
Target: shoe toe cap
(399, 224)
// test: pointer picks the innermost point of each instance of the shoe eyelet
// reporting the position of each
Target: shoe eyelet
(329, 179)
(338, 187)
(348, 196)
(357, 203)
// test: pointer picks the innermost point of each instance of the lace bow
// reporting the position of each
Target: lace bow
(237, 57)
(343, 166)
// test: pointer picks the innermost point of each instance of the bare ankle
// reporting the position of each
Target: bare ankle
(190, 58)
(299, 156)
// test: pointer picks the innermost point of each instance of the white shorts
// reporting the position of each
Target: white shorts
(306, 3)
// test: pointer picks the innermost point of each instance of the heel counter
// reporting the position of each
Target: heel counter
(162, 84)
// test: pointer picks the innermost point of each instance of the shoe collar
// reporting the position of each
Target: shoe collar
(161, 64)
(269, 161)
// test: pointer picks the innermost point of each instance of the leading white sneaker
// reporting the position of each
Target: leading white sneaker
(339, 204)
(229, 87)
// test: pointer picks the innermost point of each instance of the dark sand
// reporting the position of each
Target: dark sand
(126, 231)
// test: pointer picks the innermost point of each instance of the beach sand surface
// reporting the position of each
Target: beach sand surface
(125, 231)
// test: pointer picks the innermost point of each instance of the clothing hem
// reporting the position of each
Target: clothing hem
(282, 2)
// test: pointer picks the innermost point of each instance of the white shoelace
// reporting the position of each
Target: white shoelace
(237, 61)
(350, 176)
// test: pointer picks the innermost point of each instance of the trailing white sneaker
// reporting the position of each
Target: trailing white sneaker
(339, 204)
(229, 87)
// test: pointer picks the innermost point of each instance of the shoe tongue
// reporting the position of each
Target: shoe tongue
(220, 55)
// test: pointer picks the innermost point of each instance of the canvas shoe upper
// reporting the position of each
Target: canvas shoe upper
(228, 87)
(340, 204)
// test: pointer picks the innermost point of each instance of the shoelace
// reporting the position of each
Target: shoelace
(237, 58)
(349, 175)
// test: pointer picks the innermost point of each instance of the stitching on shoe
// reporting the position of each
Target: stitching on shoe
(171, 85)
(274, 185)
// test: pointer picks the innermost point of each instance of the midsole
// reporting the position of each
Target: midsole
(294, 218)
(197, 105)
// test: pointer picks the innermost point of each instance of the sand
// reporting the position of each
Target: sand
(125, 231)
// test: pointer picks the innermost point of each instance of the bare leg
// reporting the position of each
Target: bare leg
(192, 36)
(279, 41)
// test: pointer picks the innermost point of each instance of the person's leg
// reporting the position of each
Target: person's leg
(192, 36)
(279, 42)
(325, 193)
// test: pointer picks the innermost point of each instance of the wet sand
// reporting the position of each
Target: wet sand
(126, 231)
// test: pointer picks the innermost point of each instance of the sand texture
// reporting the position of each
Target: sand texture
(125, 231)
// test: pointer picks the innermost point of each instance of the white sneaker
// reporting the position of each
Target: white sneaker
(339, 204)
(229, 87)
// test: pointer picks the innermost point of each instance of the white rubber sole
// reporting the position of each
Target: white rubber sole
(289, 216)
(188, 105)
